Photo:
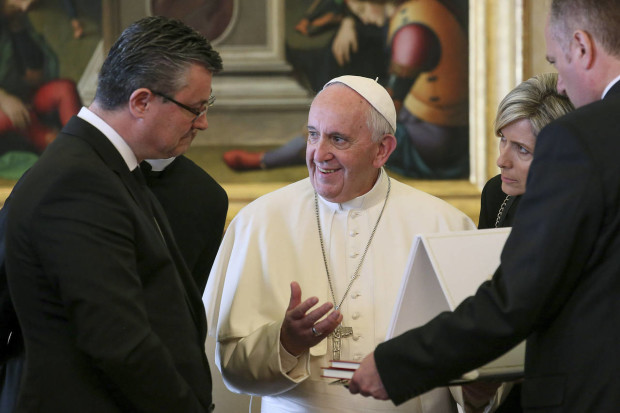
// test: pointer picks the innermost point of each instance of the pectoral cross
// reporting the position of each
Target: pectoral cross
(339, 333)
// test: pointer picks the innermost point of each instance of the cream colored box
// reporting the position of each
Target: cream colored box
(443, 270)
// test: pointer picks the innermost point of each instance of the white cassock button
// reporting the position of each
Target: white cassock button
(355, 295)
(356, 337)
(353, 255)
(355, 315)
(357, 357)
(353, 233)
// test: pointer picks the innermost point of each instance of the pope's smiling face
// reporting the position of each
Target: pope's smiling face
(343, 161)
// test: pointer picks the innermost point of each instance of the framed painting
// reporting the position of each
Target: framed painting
(41, 83)
(268, 81)
(264, 93)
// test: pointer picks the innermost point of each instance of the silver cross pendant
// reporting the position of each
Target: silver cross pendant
(339, 333)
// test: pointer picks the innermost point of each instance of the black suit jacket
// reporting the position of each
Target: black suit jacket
(9, 327)
(111, 318)
(491, 201)
(11, 343)
(558, 284)
(196, 207)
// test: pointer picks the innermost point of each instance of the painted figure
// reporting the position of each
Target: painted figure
(426, 64)
(34, 102)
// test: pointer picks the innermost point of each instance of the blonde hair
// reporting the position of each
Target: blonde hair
(535, 99)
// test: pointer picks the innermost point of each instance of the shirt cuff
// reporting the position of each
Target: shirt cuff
(296, 368)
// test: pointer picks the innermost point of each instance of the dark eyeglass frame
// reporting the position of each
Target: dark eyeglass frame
(197, 113)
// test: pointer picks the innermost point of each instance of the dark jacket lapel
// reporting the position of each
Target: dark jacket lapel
(108, 153)
(615, 90)
(112, 158)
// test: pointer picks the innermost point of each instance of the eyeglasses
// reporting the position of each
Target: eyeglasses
(196, 112)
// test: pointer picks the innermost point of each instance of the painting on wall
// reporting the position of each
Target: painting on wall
(45, 47)
(417, 49)
(209, 17)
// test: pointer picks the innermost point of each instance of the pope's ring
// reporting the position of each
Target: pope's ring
(316, 333)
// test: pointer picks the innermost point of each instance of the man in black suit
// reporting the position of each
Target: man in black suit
(11, 344)
(111, 318)
(558, 284)
(196, 207)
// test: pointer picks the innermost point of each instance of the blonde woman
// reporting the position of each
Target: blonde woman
(520, 117)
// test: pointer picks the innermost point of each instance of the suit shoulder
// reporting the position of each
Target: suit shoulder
(185, 170)
(68, 162)
(590, 130)
(191, 169)
(597, 116)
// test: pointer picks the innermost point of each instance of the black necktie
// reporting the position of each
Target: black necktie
(138, 176)
(143, 189)
(146, 197)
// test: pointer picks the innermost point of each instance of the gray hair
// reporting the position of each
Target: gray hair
(598, 17)
(154, 53)
(536, 100)
(376, 123)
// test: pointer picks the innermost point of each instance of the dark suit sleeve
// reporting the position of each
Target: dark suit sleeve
(8, 319)
(84, 236)
(11, 343)
(558, 223)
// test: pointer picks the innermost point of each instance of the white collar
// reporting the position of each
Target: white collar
(609, 86)
(117, 140)
(376, 195)
(159, 165)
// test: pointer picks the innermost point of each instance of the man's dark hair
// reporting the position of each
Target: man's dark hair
(600, 18)
(155, 53)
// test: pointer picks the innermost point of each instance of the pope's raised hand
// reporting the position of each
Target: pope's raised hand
(301, 328)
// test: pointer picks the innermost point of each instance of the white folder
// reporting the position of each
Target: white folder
(443, 270)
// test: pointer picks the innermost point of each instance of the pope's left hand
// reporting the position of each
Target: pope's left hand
(301, 328)
(366, 380)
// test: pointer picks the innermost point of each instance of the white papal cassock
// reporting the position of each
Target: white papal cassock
(273, 241)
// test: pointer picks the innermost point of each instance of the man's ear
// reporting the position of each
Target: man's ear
(139, 102)
(387, 144)
(583, 49)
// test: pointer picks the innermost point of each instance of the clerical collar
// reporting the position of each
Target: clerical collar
(158, 165)
(376, 195)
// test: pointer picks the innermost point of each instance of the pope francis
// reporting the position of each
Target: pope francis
(340, 237)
